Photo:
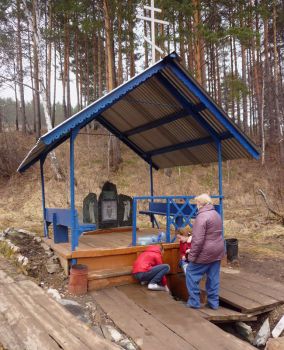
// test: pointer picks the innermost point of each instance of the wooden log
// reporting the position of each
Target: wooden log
(60, 316)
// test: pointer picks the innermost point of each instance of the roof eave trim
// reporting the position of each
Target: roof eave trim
(95, 109)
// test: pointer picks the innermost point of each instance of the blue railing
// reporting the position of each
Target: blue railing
(178, 210)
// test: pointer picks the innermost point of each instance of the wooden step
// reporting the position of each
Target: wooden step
(99, 279)
(106, 273)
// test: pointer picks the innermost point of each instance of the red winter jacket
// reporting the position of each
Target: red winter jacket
(148, 259)
(183, 247)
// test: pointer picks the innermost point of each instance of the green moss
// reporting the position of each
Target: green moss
(5, 250)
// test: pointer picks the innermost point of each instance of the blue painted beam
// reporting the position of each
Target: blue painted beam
(125, 140)
(155, 123)
(212, 107)
(220, 176)
(188, 144)
(74, 229)
(42, 160)
(151, 189)
(188, 106)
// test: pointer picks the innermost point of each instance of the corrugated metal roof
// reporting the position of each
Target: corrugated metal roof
(162, 114)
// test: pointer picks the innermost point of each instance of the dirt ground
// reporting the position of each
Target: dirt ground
(270, 268)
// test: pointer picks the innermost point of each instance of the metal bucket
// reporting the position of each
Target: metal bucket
(232, 247)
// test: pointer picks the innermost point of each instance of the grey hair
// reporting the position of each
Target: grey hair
(203, 199)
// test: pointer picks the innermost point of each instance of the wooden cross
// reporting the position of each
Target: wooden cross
(153, 21)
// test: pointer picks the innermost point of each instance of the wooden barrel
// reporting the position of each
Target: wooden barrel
(78, 280)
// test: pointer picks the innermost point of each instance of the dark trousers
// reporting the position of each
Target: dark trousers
(194, 273)
(154, 275)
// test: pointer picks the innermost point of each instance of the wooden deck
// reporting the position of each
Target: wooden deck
(109, 257)
(154, 320)
(118, 238)
(250, 293)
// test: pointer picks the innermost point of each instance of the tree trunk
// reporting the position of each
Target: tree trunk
(119, 48)
(114, 153)
(62, 75)
(36, 76)
(87, 78)
(237, 76)
(146, 65)
(190, 54)
(199, 46)
(77, 69)
(48, 61)
(244, 95)
(95, 62)
(16, 100)
(54, 89)
(20, 69)
(131, 39)
(278, 118)
(219, 92)
(100, 73)
(66, 64)
(181, 37)
(37, 40)
(32, 80)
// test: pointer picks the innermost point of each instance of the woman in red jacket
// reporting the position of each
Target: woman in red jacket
(149, 268)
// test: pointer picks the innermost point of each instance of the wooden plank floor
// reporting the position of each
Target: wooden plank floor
(156, 321)
(250, 293)
(99, 240)
(223, 315)
(30, 319)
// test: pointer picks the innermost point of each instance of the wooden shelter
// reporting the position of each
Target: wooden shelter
(168, 120)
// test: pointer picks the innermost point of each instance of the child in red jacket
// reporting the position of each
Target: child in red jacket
(149, 268)
(184, 237)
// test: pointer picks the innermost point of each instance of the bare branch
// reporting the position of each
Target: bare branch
(16, 81)
(279, 216)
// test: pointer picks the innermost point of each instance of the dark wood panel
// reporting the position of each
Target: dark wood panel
(144, 329)
(185, 322)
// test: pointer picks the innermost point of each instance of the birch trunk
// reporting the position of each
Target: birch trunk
(20, 69)
(37, 40)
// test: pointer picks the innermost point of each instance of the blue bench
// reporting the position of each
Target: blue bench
(61, 219)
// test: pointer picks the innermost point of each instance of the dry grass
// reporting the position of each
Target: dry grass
(245, 215)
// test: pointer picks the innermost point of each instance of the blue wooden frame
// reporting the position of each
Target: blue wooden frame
(177, 214)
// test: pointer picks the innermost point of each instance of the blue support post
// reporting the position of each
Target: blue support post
(74, 229)
(45, 229)
(219, 148)
(151, 189)
(168, 232)
(134, 213)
